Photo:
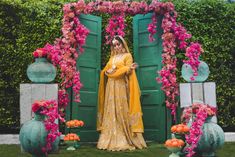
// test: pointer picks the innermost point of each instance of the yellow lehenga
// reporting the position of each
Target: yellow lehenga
(119, 111)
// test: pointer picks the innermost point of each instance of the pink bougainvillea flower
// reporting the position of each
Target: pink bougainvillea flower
(152, 27)
(48, 108)
(116, 26)
(193, 52)
(40, 52)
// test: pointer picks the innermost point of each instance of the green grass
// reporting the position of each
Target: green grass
(153, 150)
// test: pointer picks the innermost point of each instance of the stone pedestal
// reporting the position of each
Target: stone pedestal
(31, 92)
(198, 92)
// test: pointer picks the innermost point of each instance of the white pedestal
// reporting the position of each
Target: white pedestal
(198, 92)
(31, 92)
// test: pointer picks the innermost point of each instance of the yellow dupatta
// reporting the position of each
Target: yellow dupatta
(135, 112)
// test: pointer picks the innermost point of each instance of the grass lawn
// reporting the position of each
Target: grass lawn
(153, 150)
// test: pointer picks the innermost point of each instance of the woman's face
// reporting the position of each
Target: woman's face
(117, 45)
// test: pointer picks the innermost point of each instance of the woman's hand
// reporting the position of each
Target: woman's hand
(109, 71)
(134, 66)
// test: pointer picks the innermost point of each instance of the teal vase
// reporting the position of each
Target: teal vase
(203, 72)
(211, 139)
(75, 130)
(41, 71)
(174, 151)
(33, 137)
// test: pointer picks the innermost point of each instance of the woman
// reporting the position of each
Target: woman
(119, 111)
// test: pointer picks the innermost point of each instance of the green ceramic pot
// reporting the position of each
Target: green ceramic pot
(211, 139)
(41, 71)
(174, 150)
(33, 137)
(72, 145)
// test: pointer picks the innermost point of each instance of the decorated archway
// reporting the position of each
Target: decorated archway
(67, 49)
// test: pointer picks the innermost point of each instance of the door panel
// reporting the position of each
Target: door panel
(148, 56)
(89, 65)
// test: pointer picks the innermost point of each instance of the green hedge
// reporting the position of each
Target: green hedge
(28, 24)
(25, 26)
(212, 23)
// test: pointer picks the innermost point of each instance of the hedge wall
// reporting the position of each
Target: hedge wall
(27, 25)
(212, 23)
(24, 26)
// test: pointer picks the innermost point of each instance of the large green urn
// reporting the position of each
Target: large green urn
(211, 139)
(33, 137)
(41, 71)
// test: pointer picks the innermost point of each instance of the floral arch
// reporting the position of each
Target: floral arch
(66, 49)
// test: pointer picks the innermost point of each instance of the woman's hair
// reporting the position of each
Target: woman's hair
(118, 39)
(121, 40)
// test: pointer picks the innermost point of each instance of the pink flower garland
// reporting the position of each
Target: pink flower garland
(63, 101)
(64, 53)
(186, 115)
(40, 52)
(168, 72)
(181, 35)
(49, 108)
(195, 131)
(134, 8)
(137, 8)
(117, 7)
(193, 52)
(152, 27)
(157, 8)
(77, 86)
(116, 26)
(103, 6)
(74, 37)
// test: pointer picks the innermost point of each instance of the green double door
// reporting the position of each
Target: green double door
(146, 54)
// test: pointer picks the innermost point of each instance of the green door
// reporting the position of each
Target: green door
(148, 56)
(89, 66)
